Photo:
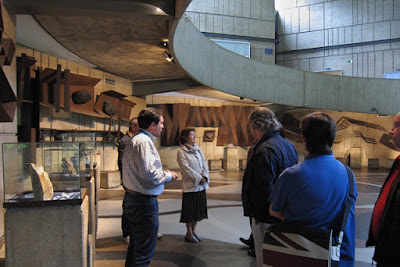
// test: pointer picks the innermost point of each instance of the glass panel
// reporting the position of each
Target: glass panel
(238, 47)
(46, 171)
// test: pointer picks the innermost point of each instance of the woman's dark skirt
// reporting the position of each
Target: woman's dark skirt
(194, 207)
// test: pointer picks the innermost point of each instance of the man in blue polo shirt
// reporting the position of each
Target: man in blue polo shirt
(315, 191)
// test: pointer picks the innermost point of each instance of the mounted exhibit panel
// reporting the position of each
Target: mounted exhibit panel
(231, 122)
(25, 65)
(74, 93)
(7, 50)
(8, 101)
(1, 19)
(7, 45)
(112, 104)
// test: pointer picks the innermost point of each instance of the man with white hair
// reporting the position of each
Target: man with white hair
(271, 155)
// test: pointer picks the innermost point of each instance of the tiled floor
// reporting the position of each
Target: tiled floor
(221, 231)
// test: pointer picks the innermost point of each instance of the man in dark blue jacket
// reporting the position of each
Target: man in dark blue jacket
(272, 154)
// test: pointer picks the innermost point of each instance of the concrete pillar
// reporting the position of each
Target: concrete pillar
(355, 157)
(47, 236)
(231, 158)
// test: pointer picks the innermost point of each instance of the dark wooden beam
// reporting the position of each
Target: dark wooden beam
(67, 83)
(58, 88)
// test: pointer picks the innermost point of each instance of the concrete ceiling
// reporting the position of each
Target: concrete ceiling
(124, 37)
(128, 46)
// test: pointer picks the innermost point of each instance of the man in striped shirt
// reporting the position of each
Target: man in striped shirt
(144, 179)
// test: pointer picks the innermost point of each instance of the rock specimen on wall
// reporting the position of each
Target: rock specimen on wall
(108, 108)
(81, 97)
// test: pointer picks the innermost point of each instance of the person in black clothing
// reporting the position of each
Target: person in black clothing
(271, 155)
(250, 241)
(125, 140)
(384, 231)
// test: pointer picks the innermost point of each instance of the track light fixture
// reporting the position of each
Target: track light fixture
(168, 56)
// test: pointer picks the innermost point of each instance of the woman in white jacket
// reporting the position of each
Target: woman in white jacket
(195, 181)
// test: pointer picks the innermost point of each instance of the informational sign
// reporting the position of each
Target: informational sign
(269, 51)
(392, 75)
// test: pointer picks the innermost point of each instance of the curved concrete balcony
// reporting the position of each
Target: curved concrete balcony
(231, 73)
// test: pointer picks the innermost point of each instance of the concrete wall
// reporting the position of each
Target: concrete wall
(230, 73)
(223, 70)
(347, 137)
(311, 24)
(242, 18)
(8, 130)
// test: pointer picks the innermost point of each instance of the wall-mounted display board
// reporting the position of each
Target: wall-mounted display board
(230, 120)
(72, 92)
(8, 102)
(113, 104)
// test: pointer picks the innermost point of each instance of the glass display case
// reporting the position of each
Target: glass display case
(47, 171)
(78, 137)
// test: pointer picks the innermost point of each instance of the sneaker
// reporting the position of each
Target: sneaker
(159, 235)
(126, 239)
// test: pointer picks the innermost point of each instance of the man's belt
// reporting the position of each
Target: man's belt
(134, 193)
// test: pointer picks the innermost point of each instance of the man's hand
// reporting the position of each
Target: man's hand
(174, 175)
(203, 181)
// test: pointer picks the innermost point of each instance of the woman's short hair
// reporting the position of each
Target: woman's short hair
(147, 116)
(184, 135)
(319, 132)
(263, 119)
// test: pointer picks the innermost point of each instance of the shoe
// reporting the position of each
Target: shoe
(247, 242)
(126, 239)
(198, 238)
(193, 240)
(251, 252)
(159, 235)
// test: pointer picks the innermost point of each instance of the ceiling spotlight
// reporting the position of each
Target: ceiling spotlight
(165, 42)
(168, 56)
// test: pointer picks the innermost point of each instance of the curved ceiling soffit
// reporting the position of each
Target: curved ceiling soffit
(91, 7)
(125, 42)
(231, 73)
